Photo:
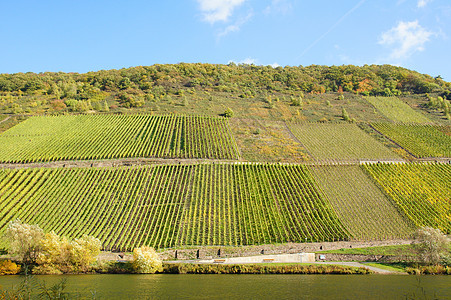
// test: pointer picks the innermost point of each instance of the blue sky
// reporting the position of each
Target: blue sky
(82, 36)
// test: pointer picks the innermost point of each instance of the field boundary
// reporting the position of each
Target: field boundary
(133, 162)
(390, 139)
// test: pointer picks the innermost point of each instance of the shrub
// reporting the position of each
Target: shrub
(228, 113)
(47, 270)
(7, 267)
(429, 270)
(296, 101)
(345, 115)
(146, 261)
(58, 255)
(58, 105)
(129, 100)
(261, 269)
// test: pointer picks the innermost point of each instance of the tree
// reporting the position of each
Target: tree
(84, 251)
(130, 100)
(146, 260)
(54, 255)
(432, 245)
(228, 113)
(59, 255)
(345, 115)
(105, 106)
(24, 241)
(296, 101)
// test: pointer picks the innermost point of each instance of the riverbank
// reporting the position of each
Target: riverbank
(216, 252)
(180, 268)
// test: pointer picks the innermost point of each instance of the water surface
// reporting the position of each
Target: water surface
(189, 286)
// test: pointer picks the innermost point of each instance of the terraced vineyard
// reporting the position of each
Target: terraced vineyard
(171, 205)
(396, 110)
(420, 140)
(364, 210)
(339, 141)
(422, 191)
(51, 138)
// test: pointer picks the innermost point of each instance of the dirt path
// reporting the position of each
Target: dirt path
(7, 118)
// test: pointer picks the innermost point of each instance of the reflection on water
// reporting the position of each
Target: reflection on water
(249, 286)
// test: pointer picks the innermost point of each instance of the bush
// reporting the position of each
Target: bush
(296, 101)
(262, 269)
(345, 115)
(7, 267)
(129, 100)
(146, 261)
(429, 270)
(51, 253)
(47, 269)
(58, 255)
(228, 113)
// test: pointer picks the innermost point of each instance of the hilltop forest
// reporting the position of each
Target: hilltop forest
(24, 93)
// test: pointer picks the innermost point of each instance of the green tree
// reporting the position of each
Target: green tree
(345, 115)
(228, 113)
(297, 101)
(130, 100)
(105, 106)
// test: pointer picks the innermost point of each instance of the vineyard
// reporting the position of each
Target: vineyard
(173, 205)
(422, 191)
(420, 140)
(445, 129)
(193, 203)
(363, 209)
(396, 110)
(51, 138)
(329, 141)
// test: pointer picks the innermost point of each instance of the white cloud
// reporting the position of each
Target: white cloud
(218, 10)
(279, 6)
(246, 61)
(422, 3)
(235, 27)
(406, 38)
(275, 65)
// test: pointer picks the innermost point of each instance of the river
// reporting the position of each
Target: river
(278, 287)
